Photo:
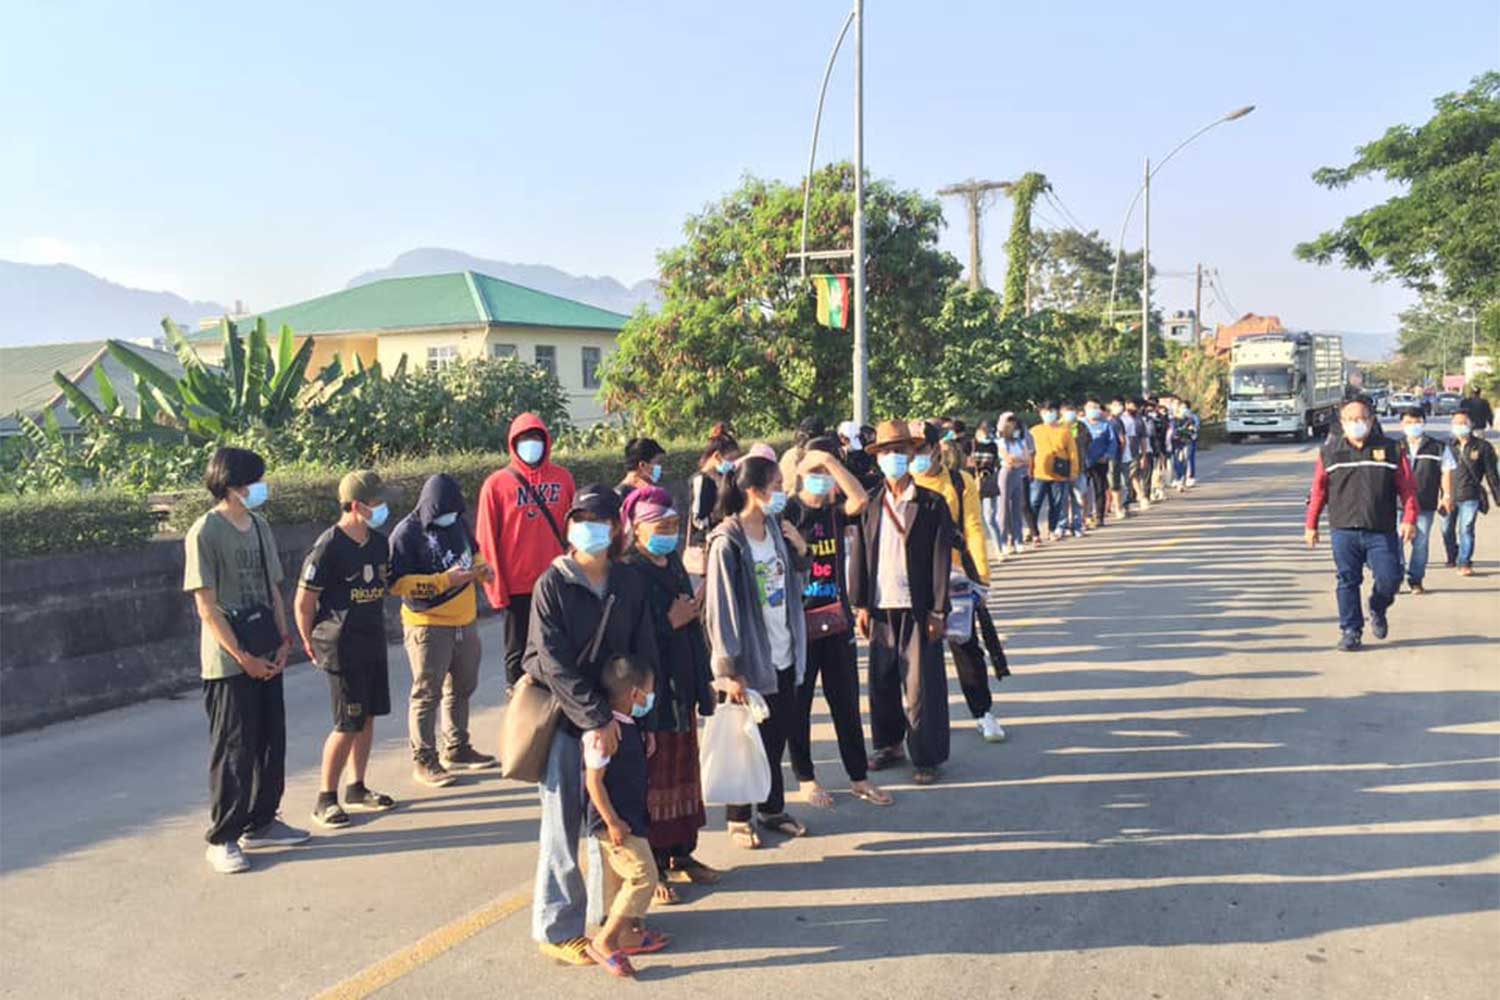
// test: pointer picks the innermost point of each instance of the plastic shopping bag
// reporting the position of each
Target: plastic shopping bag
(732, 760)
(960, 626)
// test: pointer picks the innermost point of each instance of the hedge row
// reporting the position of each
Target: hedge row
(73, 521)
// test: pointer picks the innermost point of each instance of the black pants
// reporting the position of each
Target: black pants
(834, 659)
(517, 628)
(247, 754)
(906, 667)
(968, 663)
(773, 734)
(1100, 483)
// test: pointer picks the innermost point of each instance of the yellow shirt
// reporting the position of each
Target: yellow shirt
(971, 532)
(457, 611)
(1055, 441)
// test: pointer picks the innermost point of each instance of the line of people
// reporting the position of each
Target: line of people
(639, 619)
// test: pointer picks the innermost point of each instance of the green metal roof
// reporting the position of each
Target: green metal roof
(463, 298)
(26, 384)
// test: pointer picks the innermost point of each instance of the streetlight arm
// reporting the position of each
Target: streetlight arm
(812, 154)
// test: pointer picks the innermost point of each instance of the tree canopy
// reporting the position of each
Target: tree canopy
(1443, 233)
(1072, 272)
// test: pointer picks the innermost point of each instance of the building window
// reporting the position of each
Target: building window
(498, 351)
(591, 367)
(546, 359)
(441, 357)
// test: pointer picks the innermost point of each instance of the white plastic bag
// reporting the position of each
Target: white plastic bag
(732, 760)
(960, 625)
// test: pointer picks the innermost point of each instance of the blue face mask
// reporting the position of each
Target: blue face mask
(951, 436)
(1049, 416)
(378, 515)
(1415, 430)
(656, 473)
(1459, 430)
(589, 537)
(1357, 430)
(446, 520)
(725, 467)
(641, 711)
(893, 465)
(661, 545)
(777, 503)
(818, 484)
(921, 465)
(530, 451)
(1093, 413)
(257, 494)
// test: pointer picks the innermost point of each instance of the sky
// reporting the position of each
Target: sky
(270, 151)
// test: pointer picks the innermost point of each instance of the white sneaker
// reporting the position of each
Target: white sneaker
(1179, 486)
(1191, 482)
(990, 728)
(227, 859)
(1057, 535)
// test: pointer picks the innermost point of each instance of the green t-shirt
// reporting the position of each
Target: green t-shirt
(223, 557)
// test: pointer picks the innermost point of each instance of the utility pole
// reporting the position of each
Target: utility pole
(976, 194)
(861, 353)
(1146, 290)
(1198, 307)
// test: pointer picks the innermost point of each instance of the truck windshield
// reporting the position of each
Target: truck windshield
(1271, 381)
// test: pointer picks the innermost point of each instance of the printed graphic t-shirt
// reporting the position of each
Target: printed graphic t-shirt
(350, 580)
(823, 527)
(230, 561)
(770, 575)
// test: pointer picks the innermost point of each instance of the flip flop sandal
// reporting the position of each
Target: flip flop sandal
(651, 943)
(874, 796)
(616, 964)
(694, 871)
(744, 835)
(370, 802)
(784, 824)
(665, 895)
(820, 799)
(574, 952)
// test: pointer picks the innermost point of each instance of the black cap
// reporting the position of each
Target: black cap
(596, 500)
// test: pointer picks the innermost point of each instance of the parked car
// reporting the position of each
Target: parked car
(1446, 403)
(1397, 402)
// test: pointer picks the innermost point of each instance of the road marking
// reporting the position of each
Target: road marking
(393, 967)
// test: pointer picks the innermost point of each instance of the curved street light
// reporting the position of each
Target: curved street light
(1145, 189)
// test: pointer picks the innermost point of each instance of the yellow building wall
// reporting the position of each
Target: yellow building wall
(325, 346)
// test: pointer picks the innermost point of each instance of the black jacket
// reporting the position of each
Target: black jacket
(1476, 466)
(1426, 471)
(683, 681)
(565, 613)
(421, 548)
(929, 552)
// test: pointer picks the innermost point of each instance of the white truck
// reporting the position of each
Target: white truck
(1285, 383)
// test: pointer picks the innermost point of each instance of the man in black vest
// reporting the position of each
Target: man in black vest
(1428, 460)
(1364, 480)
(898, 585)
(1473, 468)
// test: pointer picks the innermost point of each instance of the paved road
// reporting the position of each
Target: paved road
(1200, 798)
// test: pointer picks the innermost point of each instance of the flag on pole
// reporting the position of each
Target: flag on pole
(833, 299)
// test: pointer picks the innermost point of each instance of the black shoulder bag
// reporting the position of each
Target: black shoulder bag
(542, 504)
(255, 627)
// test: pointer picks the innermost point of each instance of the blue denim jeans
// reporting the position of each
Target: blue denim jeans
(1458, 533)
(1192, 458)
(1416, 563)
(1056, 495)
(1012, 511)
(1354, 549)
(989, 510)
(1080, 498)
(559, 903)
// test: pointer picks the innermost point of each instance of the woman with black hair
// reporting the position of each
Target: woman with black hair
(642, 465)
(233, 571)
(716, 462)
(752, 612)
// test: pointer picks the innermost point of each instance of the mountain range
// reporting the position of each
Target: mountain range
(55, 303)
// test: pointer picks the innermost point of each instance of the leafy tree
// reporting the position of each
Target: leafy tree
(1197, 375)
(1443, 233)
(736, 336)
(1018, 245)
(1073, 271)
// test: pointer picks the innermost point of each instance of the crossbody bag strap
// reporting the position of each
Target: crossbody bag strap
(592, 649)
(264, 568)
(542, 504)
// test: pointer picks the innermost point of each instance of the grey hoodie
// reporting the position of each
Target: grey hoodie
(737, 640)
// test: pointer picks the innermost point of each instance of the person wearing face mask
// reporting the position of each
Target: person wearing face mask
(716, 463)
(642, 465)
(898, 585)
(684, 688)
(1015, 466)
(752, 612)
(1056, 463)
(807, 430)
(1364, 479)
(232, 569)
(856, 458)
(1102, 460)
(1473, 469)
(822, 513)
(1188, 428)
(984, 462)
(1430, 464)
(520, 513)
(435, 567)
(341, 617)
(586, 610)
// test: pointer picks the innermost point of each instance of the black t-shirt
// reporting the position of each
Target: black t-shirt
(823, 527)
(350, 581)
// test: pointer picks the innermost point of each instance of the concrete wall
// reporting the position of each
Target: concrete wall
(83, 633)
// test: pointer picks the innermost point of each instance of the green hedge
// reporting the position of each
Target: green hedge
(38, 524)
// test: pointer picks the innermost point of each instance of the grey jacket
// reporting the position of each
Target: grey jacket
(738, 644)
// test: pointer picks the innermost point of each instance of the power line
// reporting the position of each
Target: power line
(1219, 278)
(1056, 200)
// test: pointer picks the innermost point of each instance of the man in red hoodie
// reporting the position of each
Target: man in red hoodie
(522, 508)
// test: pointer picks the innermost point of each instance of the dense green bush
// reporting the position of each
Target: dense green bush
(73, 521)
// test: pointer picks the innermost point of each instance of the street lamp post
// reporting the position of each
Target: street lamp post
(1145, 190)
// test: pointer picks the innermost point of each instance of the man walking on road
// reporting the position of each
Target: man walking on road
(1481, 416)
(1473, 469)
(1430, 463)
(521, 510)
(1364, 480)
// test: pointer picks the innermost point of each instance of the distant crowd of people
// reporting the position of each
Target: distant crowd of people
(639, 613)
